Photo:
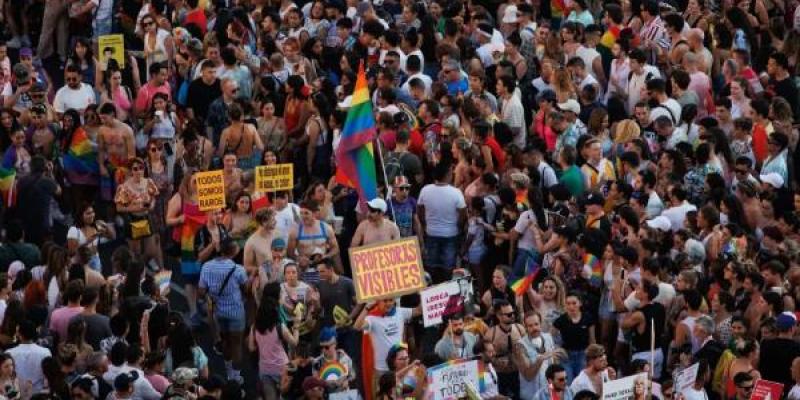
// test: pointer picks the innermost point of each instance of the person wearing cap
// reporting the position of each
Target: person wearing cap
(330, 353)
(778, 353)
(376, 228)
(223, 280)
(184, 384)
(569, 127)
(486, 45)
(403, 208)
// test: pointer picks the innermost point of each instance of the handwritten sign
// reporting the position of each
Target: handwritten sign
(453, 379)
(273, 178)
(767, 390)
(387, 270)
(445, 299)
(686, 377)
(210, 190)
(111, 46)
(626, 388)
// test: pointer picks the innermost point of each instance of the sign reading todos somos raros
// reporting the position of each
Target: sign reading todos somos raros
(386, 270)
(210, 190)
(273, 178)
(450, 380)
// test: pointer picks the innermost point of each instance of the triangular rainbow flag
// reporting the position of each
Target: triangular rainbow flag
(521, 285)
(355, 159)
(593, 264)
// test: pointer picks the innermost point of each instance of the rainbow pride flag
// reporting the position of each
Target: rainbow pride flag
(593, 264)
(521, 285)
(355, 158)
(80, 159)
(193, 221)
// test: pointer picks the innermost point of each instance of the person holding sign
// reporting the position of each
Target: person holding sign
(376, 228)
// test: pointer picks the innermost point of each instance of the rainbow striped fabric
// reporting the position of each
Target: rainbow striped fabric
(591, 262)
(521, 285)
(80, 159)
(7, 184)
(193, 221)
(355, 159)
(332, 371)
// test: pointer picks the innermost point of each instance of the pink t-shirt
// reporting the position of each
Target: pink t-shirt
(144, 99)
(159, 382)
(271, 356)
(59, 320)
(701, 84)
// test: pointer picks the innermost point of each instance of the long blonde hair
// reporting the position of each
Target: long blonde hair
(627, 130)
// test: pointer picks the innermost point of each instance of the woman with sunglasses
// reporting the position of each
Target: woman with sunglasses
(158, 43)
(159, 171)
(136, 199)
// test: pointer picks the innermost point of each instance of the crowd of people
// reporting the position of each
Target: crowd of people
(616, 181)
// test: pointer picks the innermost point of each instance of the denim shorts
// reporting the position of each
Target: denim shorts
(226, 324)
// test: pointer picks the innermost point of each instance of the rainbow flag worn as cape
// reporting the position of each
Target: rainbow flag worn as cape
(558, 9)
(521, 285)
(593, 264)
(193, 221)
(7, 186)
(80, 160)
(368, 354)
(355, 159)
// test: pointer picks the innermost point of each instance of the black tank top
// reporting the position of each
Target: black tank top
(653, 314)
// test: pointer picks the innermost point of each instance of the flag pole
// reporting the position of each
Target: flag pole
(385, 178)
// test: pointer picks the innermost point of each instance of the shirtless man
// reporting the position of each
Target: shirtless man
(376, 228)
(311, 234)
(115, 143)
(257, 249)
(43, 136)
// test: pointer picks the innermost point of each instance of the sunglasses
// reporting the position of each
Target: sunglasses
(137, 168)
(148, 23)
(402, 189)
(329, 346)
(155, 149)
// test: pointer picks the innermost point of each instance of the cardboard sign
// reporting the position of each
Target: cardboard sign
(386, 270)
(626, 388)
(445, 299)
(686, 377)
(766, 390)
(273, 178)
(111, 46)
(210, 190)
(452, 379)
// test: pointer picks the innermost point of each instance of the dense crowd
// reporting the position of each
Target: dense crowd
(615, 180)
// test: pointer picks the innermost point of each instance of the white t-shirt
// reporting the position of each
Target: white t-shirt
(794, 394)
(525, 221)
(583, 382)
(442, 204)
(285, 220)
(386, 332)
(28, 362)
(694, 394)
(78, 99)
(677, 214)
(670, 109)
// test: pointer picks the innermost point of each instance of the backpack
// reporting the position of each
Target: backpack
(394, 165)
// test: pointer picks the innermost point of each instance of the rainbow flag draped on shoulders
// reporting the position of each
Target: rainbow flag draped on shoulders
(80, 159)
(521, 285)
(355, 158)
(8, 186)
(594, 269)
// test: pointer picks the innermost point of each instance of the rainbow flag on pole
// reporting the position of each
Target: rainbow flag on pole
(521, 285)
(355, 158)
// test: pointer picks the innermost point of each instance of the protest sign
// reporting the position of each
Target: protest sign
(445, 299)
(387, 270)
(273, 178)
(210, 190)
(351, 394)
(629, 387)
(452, 379)
(766, 390)
(686, 377)
(111, 46)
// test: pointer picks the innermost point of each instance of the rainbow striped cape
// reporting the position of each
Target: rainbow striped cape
(80, 159)
(593, 264)
(355, 158)
(193, 221)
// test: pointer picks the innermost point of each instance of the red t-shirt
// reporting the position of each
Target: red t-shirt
(760, 142)
(197, 17)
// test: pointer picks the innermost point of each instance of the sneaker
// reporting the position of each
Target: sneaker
(14, 43)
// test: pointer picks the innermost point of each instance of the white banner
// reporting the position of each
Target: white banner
(445, 299)
(686, 377)
(626, 388)
(449, 381)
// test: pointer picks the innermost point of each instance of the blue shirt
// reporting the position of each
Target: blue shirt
(403, 215)
(459, 86)
(229, 302)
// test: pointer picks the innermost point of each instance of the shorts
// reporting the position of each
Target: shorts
(235, 324)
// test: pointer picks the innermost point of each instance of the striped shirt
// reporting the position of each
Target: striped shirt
(654, 31)
(212, 275)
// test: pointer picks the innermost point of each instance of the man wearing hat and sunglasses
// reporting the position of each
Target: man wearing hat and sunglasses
(376, 228)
